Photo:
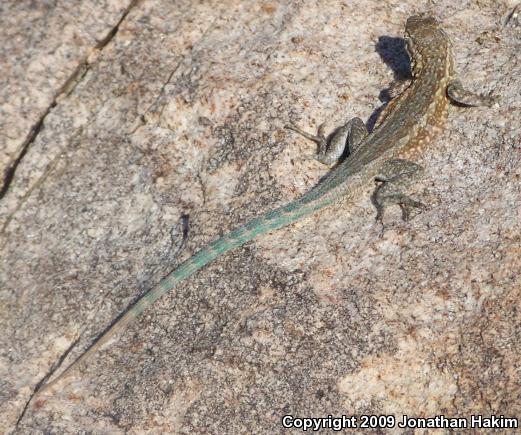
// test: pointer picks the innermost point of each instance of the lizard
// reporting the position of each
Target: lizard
(408, 122)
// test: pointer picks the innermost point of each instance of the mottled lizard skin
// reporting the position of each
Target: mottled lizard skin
(407, 124)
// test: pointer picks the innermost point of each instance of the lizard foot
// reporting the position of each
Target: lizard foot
(458, 94)
(395, 178)
(332, 148)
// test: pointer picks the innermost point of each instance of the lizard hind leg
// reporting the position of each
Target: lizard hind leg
(396, 177)
(458, 94)
(331, 149)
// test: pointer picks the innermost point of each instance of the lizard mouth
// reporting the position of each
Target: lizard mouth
(413, 52)
(409, 46)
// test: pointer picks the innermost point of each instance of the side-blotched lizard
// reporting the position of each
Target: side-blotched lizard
(408, 122)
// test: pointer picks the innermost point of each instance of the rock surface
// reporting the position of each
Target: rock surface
(121, 116)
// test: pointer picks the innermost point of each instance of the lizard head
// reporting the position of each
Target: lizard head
(423, 36)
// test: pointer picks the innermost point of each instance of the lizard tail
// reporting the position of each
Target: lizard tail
(272, 220)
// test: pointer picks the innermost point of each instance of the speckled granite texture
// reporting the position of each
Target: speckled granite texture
(118, 117)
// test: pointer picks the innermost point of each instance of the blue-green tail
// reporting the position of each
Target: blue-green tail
(270, 221)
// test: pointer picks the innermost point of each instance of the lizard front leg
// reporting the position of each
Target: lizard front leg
(331, 149)
(458, 94)
(396, 177)
(396, 88)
